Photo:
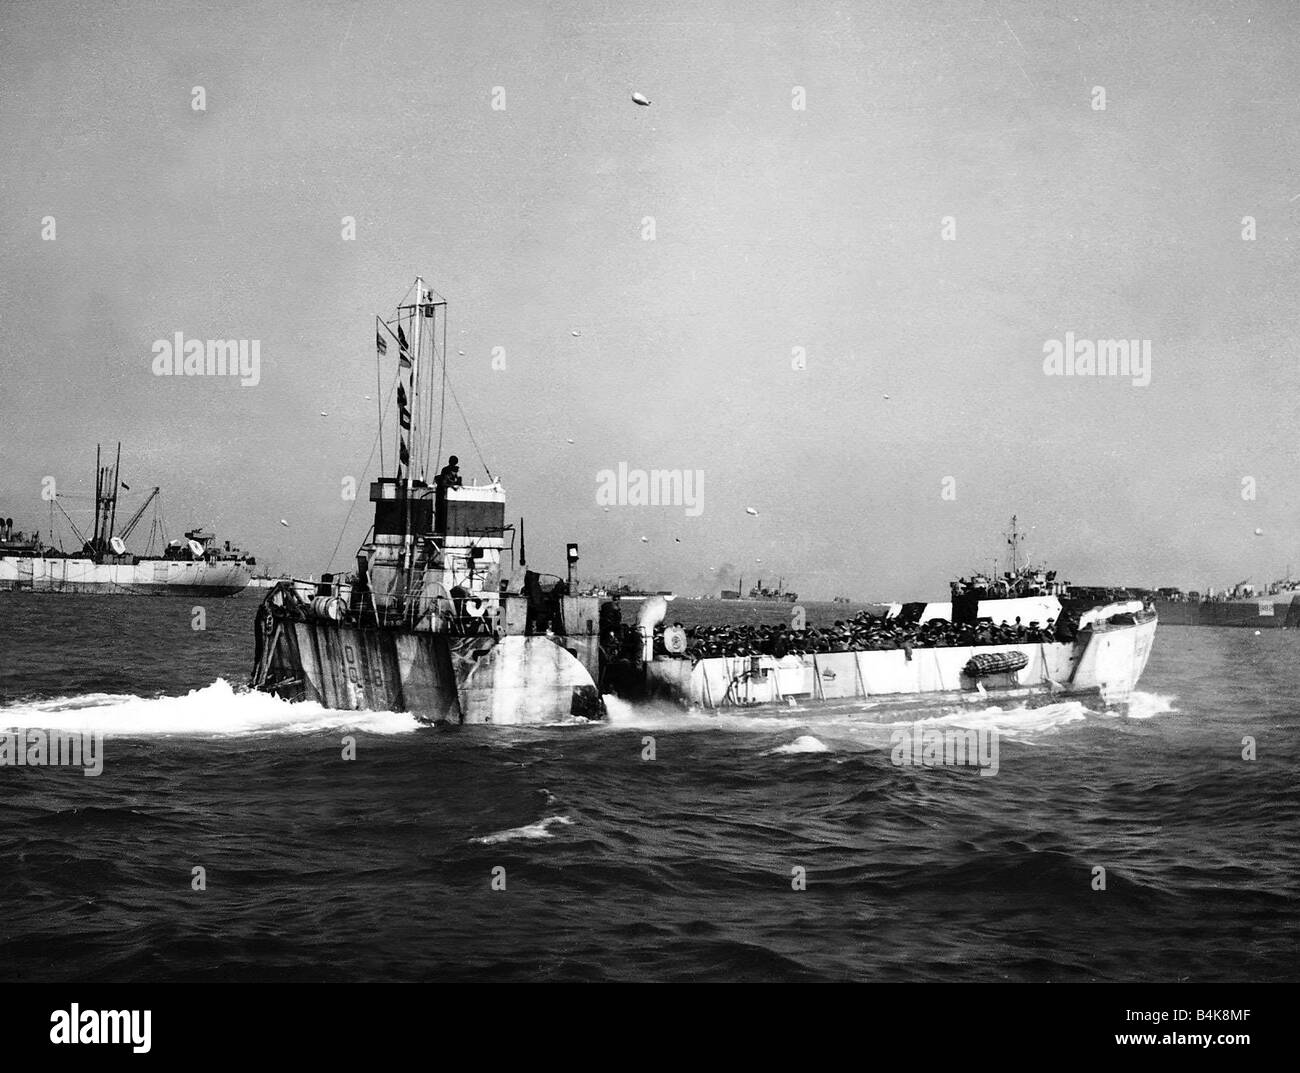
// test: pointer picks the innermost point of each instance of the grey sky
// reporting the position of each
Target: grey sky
(775, 228)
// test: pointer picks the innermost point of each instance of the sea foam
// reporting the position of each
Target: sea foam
(215, 710)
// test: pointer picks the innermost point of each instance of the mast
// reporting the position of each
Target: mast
(415, 373)
(117, 468)
(403, 523)
(413, 436)
(1014, 538)
(99, 480)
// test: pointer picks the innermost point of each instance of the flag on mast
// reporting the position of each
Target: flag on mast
(403, 410)
(404, 355)
(404, 421)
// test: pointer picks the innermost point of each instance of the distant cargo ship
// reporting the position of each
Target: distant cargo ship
(195, 566)
(758, 592)
(1277, 608)
(627, 590)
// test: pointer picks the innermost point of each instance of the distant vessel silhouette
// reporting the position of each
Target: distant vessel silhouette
(194, 566)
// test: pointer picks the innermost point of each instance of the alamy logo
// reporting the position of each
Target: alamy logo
(1103, 357)
(945, 747)
(36, 748)
(209, 357)
(656, 488)
(76, 1025)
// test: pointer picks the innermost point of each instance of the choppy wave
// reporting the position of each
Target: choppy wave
(215, 710)
(805, 743)
(1148, 705)
(531, 831)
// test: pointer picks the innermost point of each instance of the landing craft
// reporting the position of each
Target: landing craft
(430, 622)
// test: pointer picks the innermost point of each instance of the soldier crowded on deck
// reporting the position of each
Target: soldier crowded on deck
(863, 632)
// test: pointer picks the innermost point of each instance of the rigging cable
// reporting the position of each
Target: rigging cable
(378, 439)
(442, 355)
(442, 416)
(398, 321)
(75, 531)
(470, 431)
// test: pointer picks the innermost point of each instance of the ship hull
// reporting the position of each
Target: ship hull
(437, 677)
(1105, 664)
(154, 577)
(1263, 614)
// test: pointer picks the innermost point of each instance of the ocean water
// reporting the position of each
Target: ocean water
(617, 867)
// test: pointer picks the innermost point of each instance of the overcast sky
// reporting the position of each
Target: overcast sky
(775, 228)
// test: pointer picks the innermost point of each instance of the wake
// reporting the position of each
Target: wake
(871, 724)
(220, 710)
(216, 710)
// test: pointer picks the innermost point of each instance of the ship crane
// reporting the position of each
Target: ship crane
(73, 525)
(129, 528)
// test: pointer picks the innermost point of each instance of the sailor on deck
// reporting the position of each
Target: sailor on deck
(448, 478)
(450, 475)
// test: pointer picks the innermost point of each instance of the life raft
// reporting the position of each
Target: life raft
(987, 663)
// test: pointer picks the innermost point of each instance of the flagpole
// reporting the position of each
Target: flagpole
(379, 390)
(408, 536)
(415, 370)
